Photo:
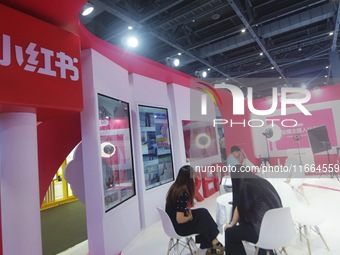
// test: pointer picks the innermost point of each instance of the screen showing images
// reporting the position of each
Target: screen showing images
(200, 139)
(156, 146)
(116, 151)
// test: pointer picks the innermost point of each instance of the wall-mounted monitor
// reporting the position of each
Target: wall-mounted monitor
(116, 151)
(200, 139)
(156, 146)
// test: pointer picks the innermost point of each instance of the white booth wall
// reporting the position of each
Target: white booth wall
(153, 93)
(110, 232)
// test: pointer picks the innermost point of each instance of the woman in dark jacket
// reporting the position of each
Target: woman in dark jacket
(180, 199)
(253, 196)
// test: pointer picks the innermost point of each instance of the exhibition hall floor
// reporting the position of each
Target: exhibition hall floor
(323, 193)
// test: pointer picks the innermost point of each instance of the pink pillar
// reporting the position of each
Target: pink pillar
(20, 206)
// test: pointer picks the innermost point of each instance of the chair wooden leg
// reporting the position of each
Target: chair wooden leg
(171, 245)
(308, 245)
(177, 246)
(302, 191)
(323, 239)
(194, 246)
(187, 239)
(300, 227)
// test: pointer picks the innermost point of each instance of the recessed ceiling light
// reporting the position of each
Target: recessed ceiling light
(272, 67)
(243, 30)
(331, 33)
(130, 27)
(261, 53)
(87, 9)
(215, 16)
(179, 53)
(327, 67)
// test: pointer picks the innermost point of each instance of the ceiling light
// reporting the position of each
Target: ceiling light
(215, 16)
(201, 74)
(272, 67)
(261, 53)
(331, 33)
(87, 9)
(132, 42)
(172, 62)
(176, 62)
(130, 27)
(179, 53)
(327, 67)
(243, 30)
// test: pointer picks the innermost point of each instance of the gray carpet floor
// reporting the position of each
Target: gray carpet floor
(62, 227)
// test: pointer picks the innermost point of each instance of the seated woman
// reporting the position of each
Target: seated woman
(186, 221)
(252, 197)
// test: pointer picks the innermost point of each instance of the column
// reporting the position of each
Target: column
(20, 205)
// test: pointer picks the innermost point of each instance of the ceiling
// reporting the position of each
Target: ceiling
(286, 43)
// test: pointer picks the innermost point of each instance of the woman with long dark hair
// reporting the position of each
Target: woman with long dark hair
(252, 197)
(186, 221)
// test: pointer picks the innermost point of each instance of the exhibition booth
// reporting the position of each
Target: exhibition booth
(133, 124)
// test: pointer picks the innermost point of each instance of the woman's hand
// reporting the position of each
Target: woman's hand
(182, 217)
(229, 225)
(189, 214)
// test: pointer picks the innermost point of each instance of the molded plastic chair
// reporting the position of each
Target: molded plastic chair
(296, 177)
(277, 230)
(307, 217)
(175, 242)
(226, 185)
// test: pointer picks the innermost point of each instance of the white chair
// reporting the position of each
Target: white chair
(296, 177)
(175, 242)
(277, 230)
(307, 217)
(226, 185)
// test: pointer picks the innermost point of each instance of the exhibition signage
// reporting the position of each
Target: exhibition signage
(39, 63)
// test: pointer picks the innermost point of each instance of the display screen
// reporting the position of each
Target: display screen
(116, 151)
(200, 140)
(156, 146)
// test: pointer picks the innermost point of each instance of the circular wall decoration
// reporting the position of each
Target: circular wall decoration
(276, 133)
(202, 141)
(107, 149)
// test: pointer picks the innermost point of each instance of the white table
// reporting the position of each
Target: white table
(223, 210)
